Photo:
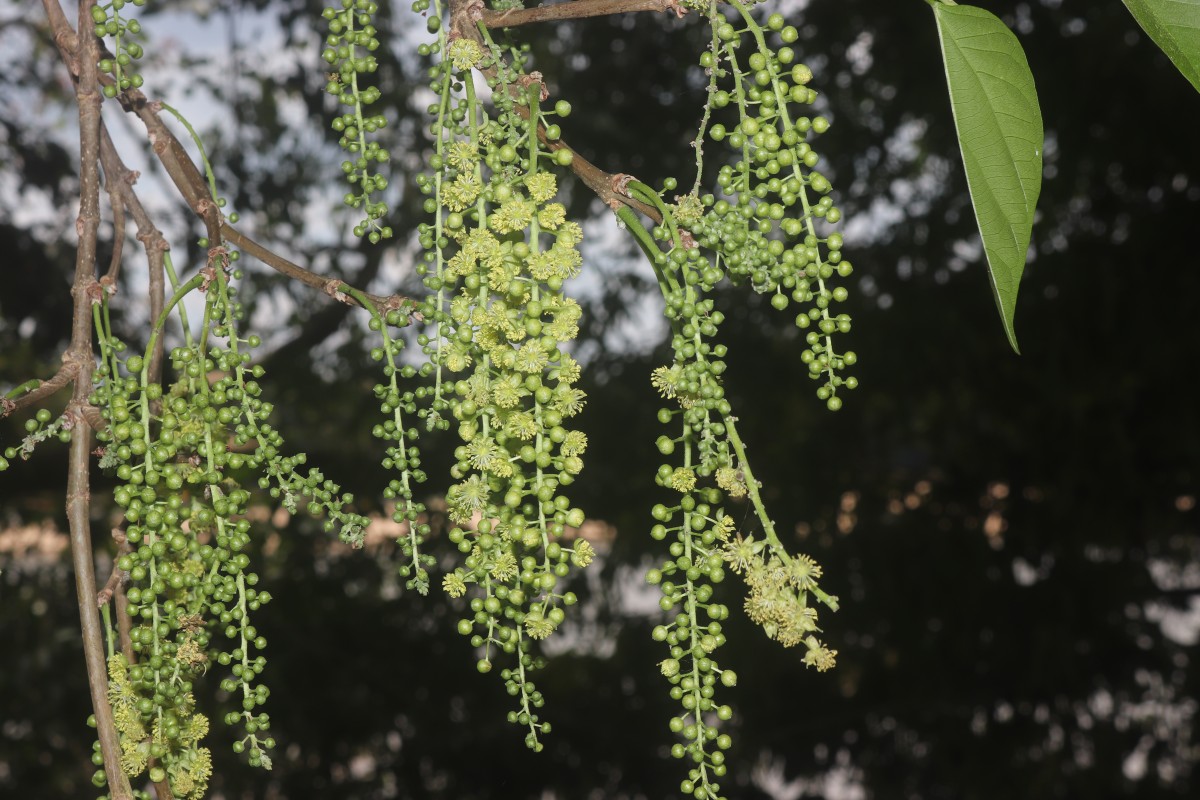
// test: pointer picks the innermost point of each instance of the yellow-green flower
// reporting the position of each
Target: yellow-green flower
(464, 53)
(583, 553)
(541, 186)
(683, 480)
(819, 655)
(688, 209)
(461, 192)
(574, 444)
(568, 400)
(732, 481)
(666, 380)
(741, 553)
(569, 234)
(454, 585)
(505, 566)
(531, 357)
(568, 369)
(506, 395)
(552, 216)
(462, 155)
(521, 424)
(537, 626)
(514, 214)
(803, 572)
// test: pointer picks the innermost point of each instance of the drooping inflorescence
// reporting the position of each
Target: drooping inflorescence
(770, 223)
(182, 450)
(766, 227)
(350, 45)
(498, 250)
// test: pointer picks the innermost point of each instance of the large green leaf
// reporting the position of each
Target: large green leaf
(1174, 25)
(999, 129)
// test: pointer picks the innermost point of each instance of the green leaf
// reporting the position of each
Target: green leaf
(1174, 25)
(999, 129)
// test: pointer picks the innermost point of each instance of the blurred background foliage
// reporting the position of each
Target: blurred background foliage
(1015, 539)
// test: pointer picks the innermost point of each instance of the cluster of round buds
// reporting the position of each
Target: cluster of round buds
(41, 426)
(348, 52)
(178, 450)
(188, 571)
(694, 632)
(399, 409)
(770, 223)
(696, 525)
(109, 22)
(210, 419)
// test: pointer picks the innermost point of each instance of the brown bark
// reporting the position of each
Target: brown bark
(79, 359)
(155, 245)
(576, 9)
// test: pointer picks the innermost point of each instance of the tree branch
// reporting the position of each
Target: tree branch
(34, 391)
(308, 278)
(116, 203)
(79, 357)
(116, 579)
(191, 185)
(149, 235)
(576, 9)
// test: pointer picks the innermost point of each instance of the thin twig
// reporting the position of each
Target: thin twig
(299, 273)
(115, 202)
(116, 580)
(34, 391)
(191, 184)
(153, 242)
(118, 577)
(576, 9)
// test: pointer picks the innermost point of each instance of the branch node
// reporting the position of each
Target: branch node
(533, 77)
(153, 241)
(218, 257)
(333, 288)
(620, 184)
(71, 364)
(95, 292)
(673, 6)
